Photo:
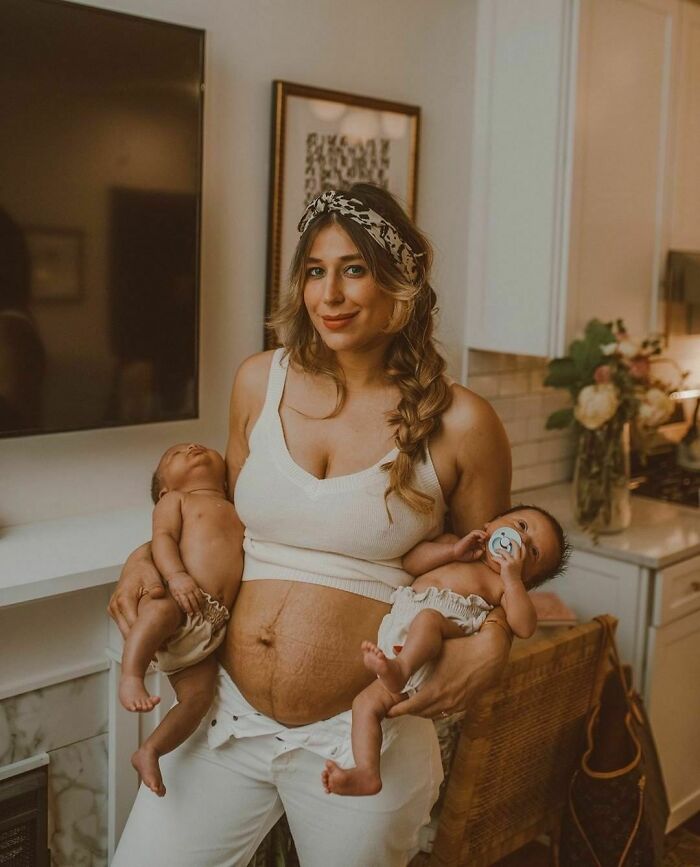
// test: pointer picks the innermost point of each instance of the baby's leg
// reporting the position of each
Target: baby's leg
(423, 643)
(368, 710)
(194, 688)
(157, 620)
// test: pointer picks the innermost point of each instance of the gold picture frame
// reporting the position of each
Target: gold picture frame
(325, 138)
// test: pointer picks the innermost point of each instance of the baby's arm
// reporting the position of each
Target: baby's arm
(520, 612)
(445, 549)
(165, 548)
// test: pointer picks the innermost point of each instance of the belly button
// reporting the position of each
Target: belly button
(266, 636)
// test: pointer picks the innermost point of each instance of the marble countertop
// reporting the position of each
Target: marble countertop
(660, 533)
(53, 557)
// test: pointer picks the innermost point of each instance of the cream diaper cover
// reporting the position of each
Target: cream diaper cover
(468, 612)
(198, 636)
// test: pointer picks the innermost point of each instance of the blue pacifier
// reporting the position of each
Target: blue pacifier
(503, 539)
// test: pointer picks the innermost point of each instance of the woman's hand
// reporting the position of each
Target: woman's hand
(138, 577)
(465, 669)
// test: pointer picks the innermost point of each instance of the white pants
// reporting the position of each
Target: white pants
(221, 803)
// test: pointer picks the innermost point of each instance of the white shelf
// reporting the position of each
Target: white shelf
(53, 557)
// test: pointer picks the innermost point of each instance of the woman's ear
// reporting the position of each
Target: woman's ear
(162, 492)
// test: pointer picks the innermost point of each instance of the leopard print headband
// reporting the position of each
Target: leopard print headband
(373, 223)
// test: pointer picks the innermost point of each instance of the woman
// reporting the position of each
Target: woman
(344, 450)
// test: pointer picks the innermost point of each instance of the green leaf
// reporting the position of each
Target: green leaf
(599, 333)
(561, 418)
(562, 373)
(586, 356)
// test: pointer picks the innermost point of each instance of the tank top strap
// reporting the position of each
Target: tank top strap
(275, 386)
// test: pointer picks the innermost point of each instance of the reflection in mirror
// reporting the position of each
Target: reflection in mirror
(100, 183)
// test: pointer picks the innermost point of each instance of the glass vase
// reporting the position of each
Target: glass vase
(601, 478)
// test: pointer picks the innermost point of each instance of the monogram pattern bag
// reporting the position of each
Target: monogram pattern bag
(618, 807)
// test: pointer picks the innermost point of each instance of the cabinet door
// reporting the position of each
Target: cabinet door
(620, 161)
(685, 231)
(518, 203)
(595, 585)
(673, 700)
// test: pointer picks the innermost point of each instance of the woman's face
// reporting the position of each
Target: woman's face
(346, 306)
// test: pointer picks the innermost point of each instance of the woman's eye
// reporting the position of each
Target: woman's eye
(355, 270)
(314, 272)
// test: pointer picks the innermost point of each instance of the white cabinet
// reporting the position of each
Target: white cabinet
(569, 200)
(658, 633)
(685, 222)
(621, 150)
(673, 699)
(518, 196)
(595, 585)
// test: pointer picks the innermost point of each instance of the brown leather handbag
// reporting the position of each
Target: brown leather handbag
(618, 807)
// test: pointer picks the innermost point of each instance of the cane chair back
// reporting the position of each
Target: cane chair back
(509, 779)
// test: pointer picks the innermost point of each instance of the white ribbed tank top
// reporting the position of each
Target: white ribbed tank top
(333, 532)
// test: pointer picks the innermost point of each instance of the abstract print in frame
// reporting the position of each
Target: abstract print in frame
(324, 139)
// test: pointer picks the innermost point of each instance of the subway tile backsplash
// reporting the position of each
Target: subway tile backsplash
(513, 384)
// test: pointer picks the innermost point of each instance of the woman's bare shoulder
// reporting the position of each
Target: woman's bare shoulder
(481, 453)
(253, 372)
(250, 381)
(469, 413)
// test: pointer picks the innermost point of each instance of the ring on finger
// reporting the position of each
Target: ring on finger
(443, 714)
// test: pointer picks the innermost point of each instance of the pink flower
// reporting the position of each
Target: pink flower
(639, 367)
(602, 374)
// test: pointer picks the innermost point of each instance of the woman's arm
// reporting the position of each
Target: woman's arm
(468, 666)
(138, 576)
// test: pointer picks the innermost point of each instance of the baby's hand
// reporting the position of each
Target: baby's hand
(470, 547)
(513, 562)
(184, 590)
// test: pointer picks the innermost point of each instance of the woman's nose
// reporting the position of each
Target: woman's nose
(333, 288)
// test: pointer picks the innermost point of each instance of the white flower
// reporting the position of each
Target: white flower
(609, 348)
(655, 407)
(596, 405)
(627, 348)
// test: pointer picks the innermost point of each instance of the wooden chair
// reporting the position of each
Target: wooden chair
(508, 783)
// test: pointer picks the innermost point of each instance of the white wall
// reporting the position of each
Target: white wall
(407, 50)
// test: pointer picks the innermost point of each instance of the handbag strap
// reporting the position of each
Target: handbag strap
(633, 832)
(614, 658)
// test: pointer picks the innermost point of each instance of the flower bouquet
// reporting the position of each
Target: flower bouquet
(609, 377)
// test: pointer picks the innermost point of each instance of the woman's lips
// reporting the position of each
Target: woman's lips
(337, 322)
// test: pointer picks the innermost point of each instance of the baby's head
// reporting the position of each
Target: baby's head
(547, 548)
(188, 466)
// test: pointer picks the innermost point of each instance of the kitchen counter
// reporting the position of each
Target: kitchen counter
(660, 534)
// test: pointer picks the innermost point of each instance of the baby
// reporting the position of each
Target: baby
(459, 582)
(197, 548)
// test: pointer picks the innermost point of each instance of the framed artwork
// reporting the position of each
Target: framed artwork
(324, 139)
(56, 264)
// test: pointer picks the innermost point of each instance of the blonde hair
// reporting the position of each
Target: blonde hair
(412, 362)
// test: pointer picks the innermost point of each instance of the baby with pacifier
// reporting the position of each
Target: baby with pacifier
(458, 582)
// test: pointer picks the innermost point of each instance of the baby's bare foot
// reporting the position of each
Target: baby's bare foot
(146, 763)
(354, 781)
(389, 671)
(134, 695)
